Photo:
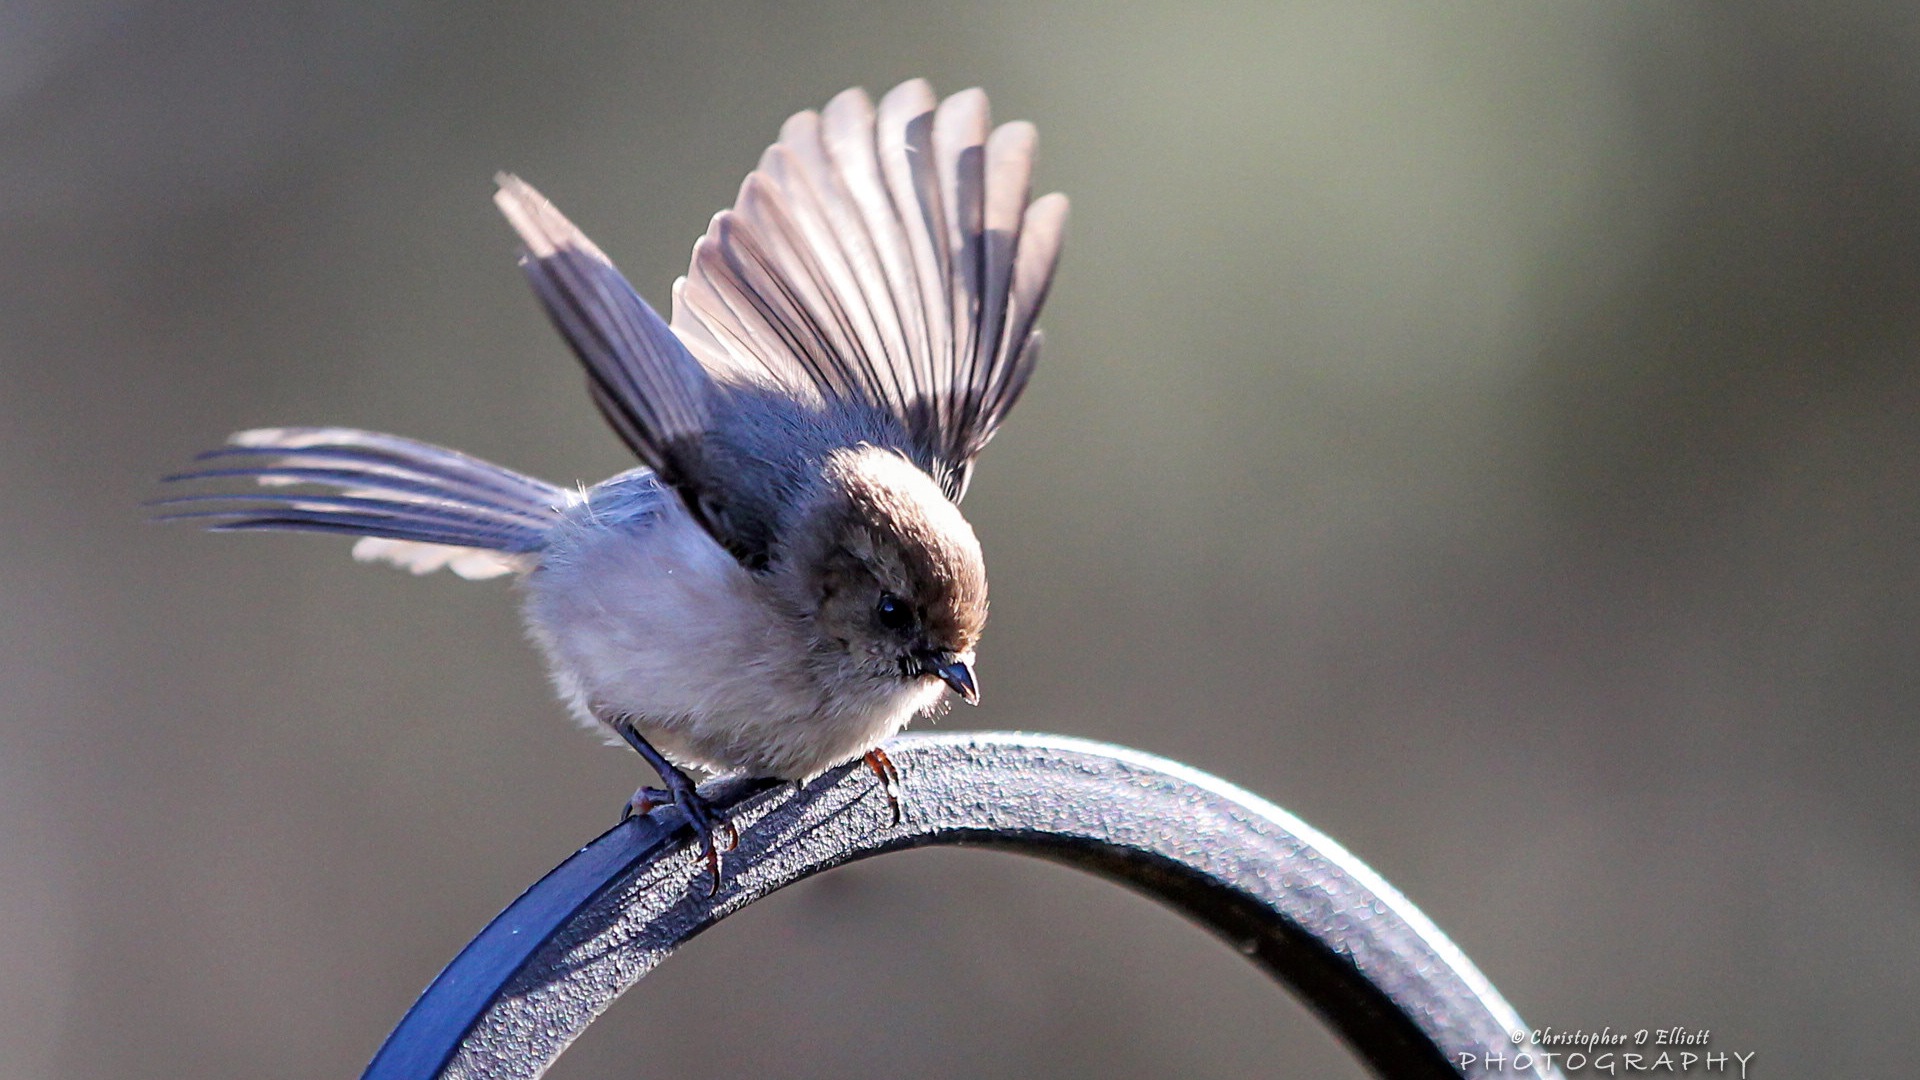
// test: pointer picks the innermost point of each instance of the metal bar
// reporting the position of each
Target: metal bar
(1291, 900)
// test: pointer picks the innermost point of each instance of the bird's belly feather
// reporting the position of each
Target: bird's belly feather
(654, 622)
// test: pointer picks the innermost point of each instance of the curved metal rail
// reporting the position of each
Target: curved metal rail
(1291, 900)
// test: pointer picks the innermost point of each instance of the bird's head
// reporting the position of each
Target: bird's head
(889, 572)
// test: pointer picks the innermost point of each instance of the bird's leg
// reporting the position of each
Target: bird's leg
(888, 774)
(679, 790)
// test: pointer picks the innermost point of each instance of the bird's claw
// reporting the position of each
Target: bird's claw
(888, 774)
(644, 801)
(707, 823)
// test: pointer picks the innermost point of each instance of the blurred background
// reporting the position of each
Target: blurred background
(1489, 432)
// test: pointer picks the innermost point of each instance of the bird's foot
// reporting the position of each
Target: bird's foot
(711, 826)
(888, 774)
(707, 823)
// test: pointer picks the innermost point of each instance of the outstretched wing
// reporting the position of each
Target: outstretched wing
(890, 258)
(652, 391)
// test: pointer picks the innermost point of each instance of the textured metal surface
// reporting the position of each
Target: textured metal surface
(1289, 899)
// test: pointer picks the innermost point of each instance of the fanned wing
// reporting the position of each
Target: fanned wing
(889, 258)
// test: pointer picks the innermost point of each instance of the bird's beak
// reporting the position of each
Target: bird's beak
(957, 674)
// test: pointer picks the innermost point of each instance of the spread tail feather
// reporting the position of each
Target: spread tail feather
(415, 505)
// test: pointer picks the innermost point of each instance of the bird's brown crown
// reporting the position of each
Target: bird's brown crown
(885, 529)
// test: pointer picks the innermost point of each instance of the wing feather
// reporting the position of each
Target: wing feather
(851, 154)
(833, 217)
(904, 141)
(960, 127)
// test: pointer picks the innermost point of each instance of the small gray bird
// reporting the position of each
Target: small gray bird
(787, 580)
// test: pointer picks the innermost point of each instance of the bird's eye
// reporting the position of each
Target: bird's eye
(892, 614)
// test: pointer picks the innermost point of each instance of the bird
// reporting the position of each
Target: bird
(786, 579)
